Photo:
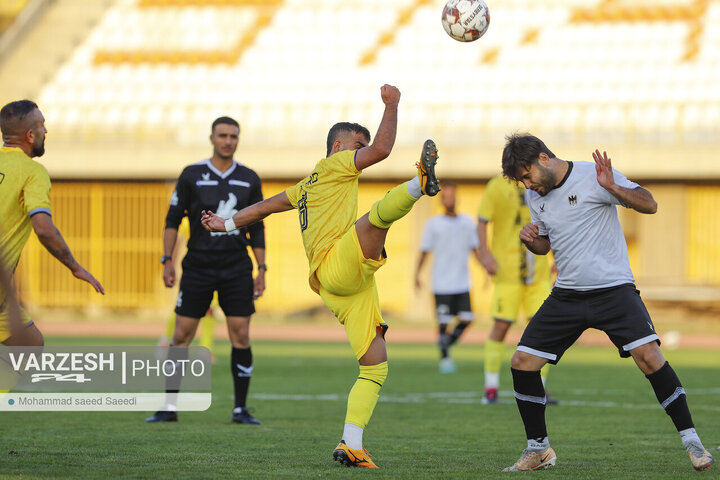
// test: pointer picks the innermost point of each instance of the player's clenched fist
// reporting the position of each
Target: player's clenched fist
(529, 232)
(389, 94)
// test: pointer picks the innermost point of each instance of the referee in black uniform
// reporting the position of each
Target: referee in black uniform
(217, 261)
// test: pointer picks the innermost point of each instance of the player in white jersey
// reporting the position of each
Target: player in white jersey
(573, 210)
(450, 238)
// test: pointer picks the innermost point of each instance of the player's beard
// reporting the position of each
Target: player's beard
(547, 180)
(39, 150)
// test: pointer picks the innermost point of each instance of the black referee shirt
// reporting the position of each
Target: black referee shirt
(201, 186)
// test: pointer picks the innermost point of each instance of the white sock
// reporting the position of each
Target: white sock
(688, 436)
(352, 435)
(533, 444)
(413, 188)
(544, 381)
(492, 379)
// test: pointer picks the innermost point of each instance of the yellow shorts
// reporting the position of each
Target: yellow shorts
(4, 322)
(509, 297)
(347, 286)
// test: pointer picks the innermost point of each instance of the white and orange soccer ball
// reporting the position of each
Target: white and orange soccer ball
(465, 20)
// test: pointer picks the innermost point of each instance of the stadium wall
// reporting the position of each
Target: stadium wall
(115, 230)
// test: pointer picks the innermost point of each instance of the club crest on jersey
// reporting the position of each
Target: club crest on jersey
(572, 199)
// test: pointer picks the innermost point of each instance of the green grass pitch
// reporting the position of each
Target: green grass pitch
(426, 425)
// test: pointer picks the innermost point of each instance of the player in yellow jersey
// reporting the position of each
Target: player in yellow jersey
(25, 206)
(344, 252)
(521, 278)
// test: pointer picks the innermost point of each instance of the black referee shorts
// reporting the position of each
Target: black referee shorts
(228, 273)
(617, 311)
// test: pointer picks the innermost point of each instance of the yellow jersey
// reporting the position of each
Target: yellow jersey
(24, 191)
(327, 204)
(503, 204)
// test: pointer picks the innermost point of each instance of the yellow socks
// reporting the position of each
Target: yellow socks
(364, 394)
(544, 372)
(494, 352)
(395, 205)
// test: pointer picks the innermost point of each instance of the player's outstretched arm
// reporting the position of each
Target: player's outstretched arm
(53, 241)
(384, 141)
(638, 198)
(248, 215)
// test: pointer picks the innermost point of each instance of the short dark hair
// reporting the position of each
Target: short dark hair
(224, 121)
(12, 115)
(345, 127)
(521, 151)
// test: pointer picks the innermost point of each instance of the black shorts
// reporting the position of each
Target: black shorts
(617, 311)
(447, 306)
(230, 273)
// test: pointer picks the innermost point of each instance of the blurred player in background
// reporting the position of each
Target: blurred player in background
(521, 278)
(217, 261)
(25, 205)
(207, 323)
(573, 210)
(451, 238)
(345, 252)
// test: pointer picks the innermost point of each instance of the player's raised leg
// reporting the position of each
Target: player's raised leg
(671, 395)
(372, 227)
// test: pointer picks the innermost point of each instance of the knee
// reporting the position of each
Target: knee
(182, 336)
(375, 373)
(521, 361)
(240, 337)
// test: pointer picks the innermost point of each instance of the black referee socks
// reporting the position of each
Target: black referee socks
(241, 366)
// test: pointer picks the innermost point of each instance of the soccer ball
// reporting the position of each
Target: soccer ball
(465, 20)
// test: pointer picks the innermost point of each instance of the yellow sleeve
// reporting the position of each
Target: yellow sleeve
(36, 191)
(293, 193)
(488, 204)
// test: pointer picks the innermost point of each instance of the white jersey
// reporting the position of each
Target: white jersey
(580, 218)
(450, 239)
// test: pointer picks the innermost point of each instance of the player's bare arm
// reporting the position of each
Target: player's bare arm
(384, 141)
(53, 241)
(259, 280)
(421, 262)
(248, 215)
(486, 259)
(169, 244)
(638, 198)
(533, 241)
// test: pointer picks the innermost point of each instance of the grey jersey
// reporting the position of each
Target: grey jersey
(580, 218)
